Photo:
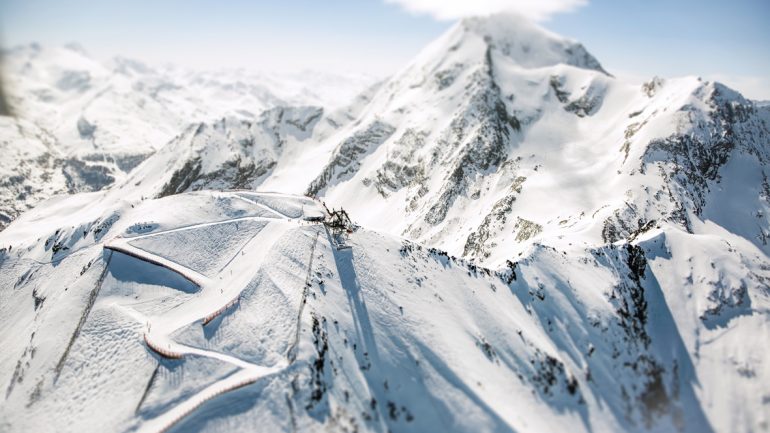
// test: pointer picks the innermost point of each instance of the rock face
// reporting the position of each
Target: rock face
(230, 154)
(542, 248)
(347, 157)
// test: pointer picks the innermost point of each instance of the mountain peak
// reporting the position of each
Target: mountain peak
(527, 43)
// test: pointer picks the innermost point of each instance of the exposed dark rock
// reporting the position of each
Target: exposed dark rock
(402, 168)
(493, 223)
(318, 382)
(84, 177)
(651, 87)
(588, 103)
(182, 178)
(347, 157)
(557, 86)
(550, 376)
(446, 77)
(493, 127)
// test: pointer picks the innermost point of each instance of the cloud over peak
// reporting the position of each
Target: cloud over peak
(538, 10)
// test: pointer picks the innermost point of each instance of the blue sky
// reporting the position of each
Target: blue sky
(729, 41)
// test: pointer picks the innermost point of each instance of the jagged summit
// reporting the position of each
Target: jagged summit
(526, 43)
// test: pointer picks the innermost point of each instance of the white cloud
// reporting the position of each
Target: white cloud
(538, 10)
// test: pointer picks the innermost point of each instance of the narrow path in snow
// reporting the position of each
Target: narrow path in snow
(199, 225)
(260, 205)
(216, 294)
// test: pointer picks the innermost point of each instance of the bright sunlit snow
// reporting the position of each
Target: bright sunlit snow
(501, 237)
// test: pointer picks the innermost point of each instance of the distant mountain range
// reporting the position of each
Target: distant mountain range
(82, 124)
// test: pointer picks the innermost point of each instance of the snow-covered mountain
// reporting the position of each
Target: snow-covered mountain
(83, 124)
(542, 247)
(460, 149)
(501, 135)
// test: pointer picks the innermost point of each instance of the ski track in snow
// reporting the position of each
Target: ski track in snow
(215, 296)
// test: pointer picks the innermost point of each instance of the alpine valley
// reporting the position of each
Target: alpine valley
(535, 246)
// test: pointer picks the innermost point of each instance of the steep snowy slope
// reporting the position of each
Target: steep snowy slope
(501, 134)
(498, 135)
(97, 120)
(221, 311)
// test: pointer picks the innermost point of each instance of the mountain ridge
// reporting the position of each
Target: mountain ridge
(537, 246)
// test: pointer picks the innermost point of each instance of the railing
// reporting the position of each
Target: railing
(204, 399)
(160, 351)
(214, 315)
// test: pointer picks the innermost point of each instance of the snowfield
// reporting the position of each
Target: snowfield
(537, 247)
(252, 315)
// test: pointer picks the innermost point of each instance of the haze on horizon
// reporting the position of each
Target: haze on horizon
(634, 41)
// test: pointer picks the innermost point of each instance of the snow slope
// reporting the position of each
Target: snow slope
(606, 264)
(217, 310)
